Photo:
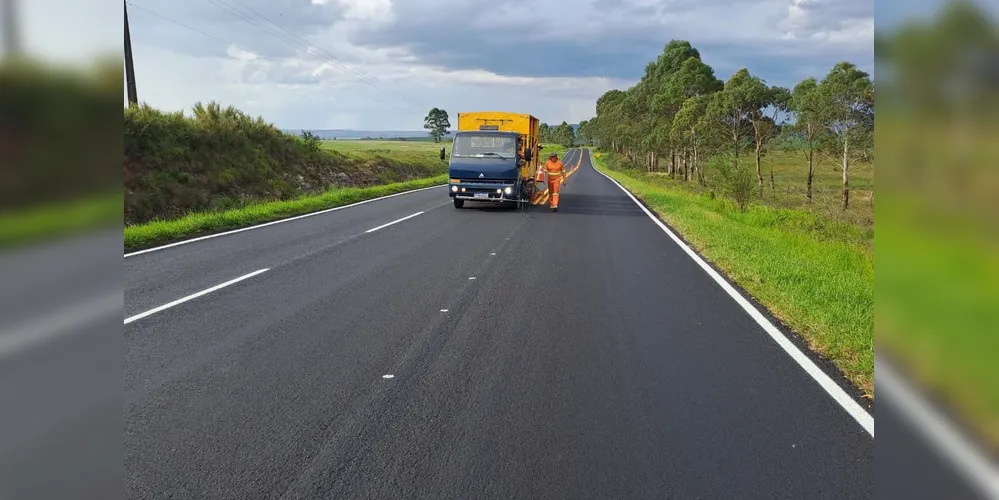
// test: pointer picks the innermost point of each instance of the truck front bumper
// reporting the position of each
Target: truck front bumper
(493, 191)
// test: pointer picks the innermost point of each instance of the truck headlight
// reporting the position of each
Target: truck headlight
(508, 190)
(454, 189)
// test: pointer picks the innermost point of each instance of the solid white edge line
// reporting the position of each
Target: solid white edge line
(193, 296)
(271, 223)
(59, 323)
(941, 434)
(383, 226)
(865, 419)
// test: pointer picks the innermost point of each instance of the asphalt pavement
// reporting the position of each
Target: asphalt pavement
(407, 349)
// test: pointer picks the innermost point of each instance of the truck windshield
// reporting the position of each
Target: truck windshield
(502, 146)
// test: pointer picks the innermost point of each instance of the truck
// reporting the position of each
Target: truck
(494, 158)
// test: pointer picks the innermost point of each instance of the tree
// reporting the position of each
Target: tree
(768, 102)
(564, 135)
(847, 97)
(729, 109)
(689, 130)
(806, 104)
(583, 132)
(437, 123)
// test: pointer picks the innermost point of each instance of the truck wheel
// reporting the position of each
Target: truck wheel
(458, 203)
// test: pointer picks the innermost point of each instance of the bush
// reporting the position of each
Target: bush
(737, 181)
(58, 132)
(311, 140)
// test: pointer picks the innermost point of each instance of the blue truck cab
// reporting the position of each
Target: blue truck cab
(493, 158)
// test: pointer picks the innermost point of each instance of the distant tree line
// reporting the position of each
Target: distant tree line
(563, 134)
(680, 114)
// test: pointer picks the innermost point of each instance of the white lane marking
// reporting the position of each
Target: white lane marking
(193, 296)
(492, 253)
(289, 219)
(865, 419)
(941, 434)
(472, 278)
(443, 310)
(388, 375)
(59, 323)
(383, 226)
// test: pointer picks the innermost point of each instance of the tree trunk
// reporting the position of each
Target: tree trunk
(773, 186)
(700, 172)
(759, 167)
(846, 170)
(811, 169)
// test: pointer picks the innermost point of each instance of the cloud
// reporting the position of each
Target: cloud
(381, 64)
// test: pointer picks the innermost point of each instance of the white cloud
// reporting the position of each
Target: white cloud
(380, 64)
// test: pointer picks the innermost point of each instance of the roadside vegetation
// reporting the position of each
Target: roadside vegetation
(938, 276)
(220, 159)
(58, 145)
(773, 185)
(813, 272)
(150, 234)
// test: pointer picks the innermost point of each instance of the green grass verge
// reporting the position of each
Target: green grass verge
(59, 219)
(814, 274)
(140, 236)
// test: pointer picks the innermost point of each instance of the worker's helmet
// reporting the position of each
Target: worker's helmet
(554, 155)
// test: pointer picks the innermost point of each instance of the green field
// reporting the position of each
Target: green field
(419, 151)
(814, 272)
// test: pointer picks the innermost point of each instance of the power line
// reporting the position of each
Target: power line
(361, 74)
(227, 42)
(291, 37)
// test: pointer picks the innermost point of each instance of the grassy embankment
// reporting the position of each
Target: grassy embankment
(221, 170)
(813, 268)
(938, 278)
(58, 145)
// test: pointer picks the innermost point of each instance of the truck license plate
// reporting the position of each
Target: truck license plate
(481, 195)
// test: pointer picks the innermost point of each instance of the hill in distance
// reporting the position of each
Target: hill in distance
(372, 134)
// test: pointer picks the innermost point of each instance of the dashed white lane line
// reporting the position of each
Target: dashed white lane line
(444, 310)
(388, 375)
(493, 253)
(193, 296)
(383, 226)
(472, 278)
(59, 323)
(289, 219)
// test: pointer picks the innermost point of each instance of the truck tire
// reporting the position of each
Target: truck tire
(458, 203)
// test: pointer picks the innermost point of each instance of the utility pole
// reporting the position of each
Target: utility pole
(11, 37)
(133, 97)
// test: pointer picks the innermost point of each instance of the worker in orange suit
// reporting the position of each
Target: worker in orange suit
(556, 177)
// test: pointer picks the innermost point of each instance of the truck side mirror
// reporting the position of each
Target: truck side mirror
(443, 154)
(528, 155)
(540, 147)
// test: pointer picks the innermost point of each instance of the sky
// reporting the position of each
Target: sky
(382, 64)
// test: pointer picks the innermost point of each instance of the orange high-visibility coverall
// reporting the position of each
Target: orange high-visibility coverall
(556, 177)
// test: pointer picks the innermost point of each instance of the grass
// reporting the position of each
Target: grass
(154, 233)
(53, 220)
(938, 279)
(159, 232)
(814, 273)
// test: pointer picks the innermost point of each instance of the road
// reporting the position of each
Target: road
(472, 353)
